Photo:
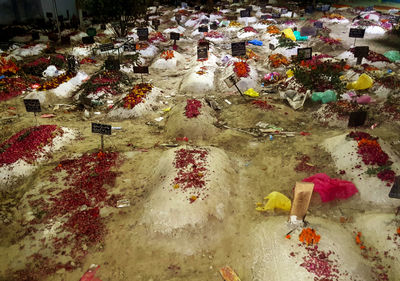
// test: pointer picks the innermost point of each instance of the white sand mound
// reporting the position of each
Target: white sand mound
(140, 109)
(198, 84)
(169, 209)
(162, 63)
(27, 52)
(66, 89)
(272, 252)
(10, 173)
(81, 51)
(149, 52)
(196, 128)
(371, 188)
(247, 21)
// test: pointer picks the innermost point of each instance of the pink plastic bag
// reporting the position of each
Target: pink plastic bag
(89, 275)
(330, 188)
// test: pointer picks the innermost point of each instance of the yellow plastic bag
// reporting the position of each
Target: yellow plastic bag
(251, 93)
(289, 73)
(275, 200)
(289, 34)
(363, 82)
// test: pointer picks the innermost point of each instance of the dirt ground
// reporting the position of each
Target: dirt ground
(257, 166)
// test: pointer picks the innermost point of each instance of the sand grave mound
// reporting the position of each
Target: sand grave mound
(200, 127)
(169, 209)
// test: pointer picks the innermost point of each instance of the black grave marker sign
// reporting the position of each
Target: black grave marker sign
(214, 26)
(304, 53)
(129, 47)
(141, 69)
(238, 49)
(308, 31)
(174, 36)
(112, 64)
(101, 129)
(361, 51)
(395, 191)
(32, 105)
(357, 118)
(284, 11)
(325, 8)
(202, 53)
(106, 47)
(244, 13)
(318, 24)
(143, 34)
(155, 22)
(88, 40)
(72, 64)
(276, 15)
(356, 33)
(203, 28)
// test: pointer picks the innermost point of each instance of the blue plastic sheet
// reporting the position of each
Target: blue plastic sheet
(256, 42)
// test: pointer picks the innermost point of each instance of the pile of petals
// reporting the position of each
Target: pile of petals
(374, 56)
(142, 46)
(330, 41)
(191, 166)
(277, 60)
(335, 16)
(262, 104)
(87, 60)
(28, 144)
(341, 107)
(192, 108)
(330, 188)
(214, 34)
(86, 181)
(105, 82)
(272, 29)
(250, 29)
(234, 24)
(372, 154)
(37, 66)
(318, 263)
(168, 54)
(56, 81)
(7, 67)
(11, 87)
(309, 236)
(157, 36)
(241, 68)
(137, 95)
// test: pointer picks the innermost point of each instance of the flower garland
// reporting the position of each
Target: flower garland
(241, 68)
(192, 108)
(7, 67)
(214, 34)
(250, 29)
(87, 60)
(56, 81)
(168, 54)
(137, 95)
(309, 236)
(277, 60)
(372, 154)
(272, 29)
(234, 24)
(335, 16)
(28, 144)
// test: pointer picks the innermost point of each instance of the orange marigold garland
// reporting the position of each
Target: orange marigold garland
(309, 236)
(56, 81)
(168, 54)
(137, 95)
(277, 60)
(272, 29)
(7, 66)
(241, 68)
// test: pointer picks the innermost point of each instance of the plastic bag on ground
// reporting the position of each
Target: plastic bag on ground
(289, 34)
(330, 189)
(276, 200)
(251, 93)
(324, 97)
(364, 99)
(90, 274)
(393, 56)
(299, 37)
(256, 42)
(363, 82)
